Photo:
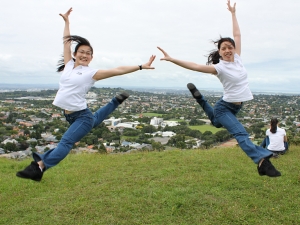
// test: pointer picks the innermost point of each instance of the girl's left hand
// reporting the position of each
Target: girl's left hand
(66, 15)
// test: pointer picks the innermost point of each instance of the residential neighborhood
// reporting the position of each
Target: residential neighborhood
(146, 121)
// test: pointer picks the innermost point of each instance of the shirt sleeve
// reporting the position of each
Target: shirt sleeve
(218, 68)
(70, 64)
(92, 73)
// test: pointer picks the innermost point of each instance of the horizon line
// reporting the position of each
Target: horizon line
(51, 85)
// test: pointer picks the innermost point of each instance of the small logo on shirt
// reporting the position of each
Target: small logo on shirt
(79, 73)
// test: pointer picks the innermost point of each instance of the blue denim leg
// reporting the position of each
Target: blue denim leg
(81, 123)
(102, 113)
(225, 114)
(209, 111)
(265, 142)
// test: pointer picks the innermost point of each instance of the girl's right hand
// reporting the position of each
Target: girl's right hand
(166, 56)
(231, 8)
(66, 15)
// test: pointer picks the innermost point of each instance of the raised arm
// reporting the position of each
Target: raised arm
(235, 28)
(121, 70)
(67, 45)
(188, 65)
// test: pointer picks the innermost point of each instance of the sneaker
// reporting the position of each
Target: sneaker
(32, 172)
(122, 97)
(195, 92)
(266, 168)
(275, 155)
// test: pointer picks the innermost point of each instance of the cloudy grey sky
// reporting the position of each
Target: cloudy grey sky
(127, 32)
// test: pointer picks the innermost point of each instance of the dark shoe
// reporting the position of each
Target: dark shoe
(266, 168)
(275, 155)
(32, 172)
(195, 92)
(122, 97)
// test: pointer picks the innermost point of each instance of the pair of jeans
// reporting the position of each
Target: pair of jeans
(223, 114)
(81, 122)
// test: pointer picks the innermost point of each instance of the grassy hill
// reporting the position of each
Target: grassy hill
(217, 186)
(203, 128)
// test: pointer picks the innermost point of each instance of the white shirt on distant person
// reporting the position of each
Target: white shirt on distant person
(276, 140)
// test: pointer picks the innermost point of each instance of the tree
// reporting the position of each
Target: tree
(222, 135)
(33, 144)
(23, 145)
(148, 129)
(2, 130)
(10, 118)
(189, 144)
(102, 149)
(131, 132)
(183, 123)
(207, 133)
(11, 147)
(207, 144)
(195, 122)
(157, 146)
(177, 141)
(26, 132)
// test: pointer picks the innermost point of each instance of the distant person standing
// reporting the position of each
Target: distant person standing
(76, 80)
(276, 140)
(228, 67)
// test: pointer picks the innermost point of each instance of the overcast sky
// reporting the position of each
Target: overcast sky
(127, 32)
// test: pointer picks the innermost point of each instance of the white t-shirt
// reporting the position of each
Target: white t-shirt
(234, 79)
(276, 140)
(73, 85)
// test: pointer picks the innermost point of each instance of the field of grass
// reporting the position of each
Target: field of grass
(217, 186)
(203, 128)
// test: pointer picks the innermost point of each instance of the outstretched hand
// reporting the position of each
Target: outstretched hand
(148, 64)
(166, 56)
(231, 8)
(66, 15)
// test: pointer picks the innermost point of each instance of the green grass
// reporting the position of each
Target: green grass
(203, 128)
(217, 186)
(124, 138)
(151, 114)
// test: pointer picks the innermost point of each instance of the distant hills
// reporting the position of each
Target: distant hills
(182, 89)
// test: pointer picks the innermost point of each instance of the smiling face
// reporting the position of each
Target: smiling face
(83, 55)
(227, 51)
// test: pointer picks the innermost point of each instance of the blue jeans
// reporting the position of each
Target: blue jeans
(81, 122)
(223, 114)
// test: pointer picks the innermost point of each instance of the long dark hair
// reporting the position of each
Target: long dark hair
(274, 123)
(214, 56)
(80, 41)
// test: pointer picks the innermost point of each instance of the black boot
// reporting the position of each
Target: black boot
(266, 168)
(122, 97)
(32, 172)
(195, 92)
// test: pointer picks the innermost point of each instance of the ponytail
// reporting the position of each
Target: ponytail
(61, 64)
(213, 57)
(274, 123)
